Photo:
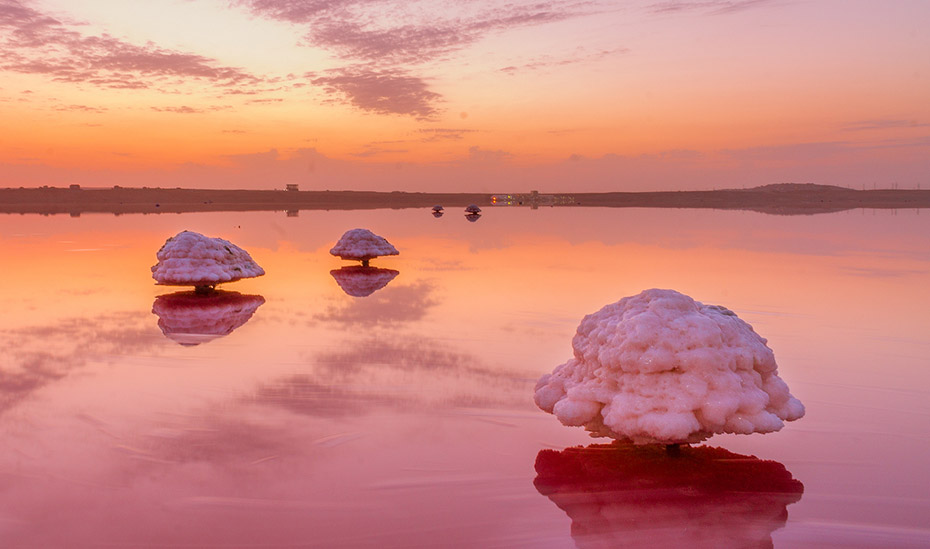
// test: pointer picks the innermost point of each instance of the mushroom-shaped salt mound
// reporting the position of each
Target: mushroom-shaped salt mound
(662, 368)
(472, 209)
(192, 259)
(362, 245)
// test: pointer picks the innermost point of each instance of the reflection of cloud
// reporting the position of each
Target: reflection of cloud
(379, 90)
(217, 439)
(35, 43)
(393, 305)
(401, 372)
(42, 355)
(190, 318)
(621, 495)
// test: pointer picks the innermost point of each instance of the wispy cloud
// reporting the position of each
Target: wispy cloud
(186, 109)
(712, 7)
(548, 61)
(443, 134)
(367, 34)
(80, 108)
(382, 91)
(36, 43)
(884, 124)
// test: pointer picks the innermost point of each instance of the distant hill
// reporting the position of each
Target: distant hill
(792, 187)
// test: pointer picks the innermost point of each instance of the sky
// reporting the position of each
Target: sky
(477, 96)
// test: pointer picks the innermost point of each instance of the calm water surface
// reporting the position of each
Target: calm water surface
(287, 412)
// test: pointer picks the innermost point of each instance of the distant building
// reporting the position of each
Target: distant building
(75, 187)
(292, 187)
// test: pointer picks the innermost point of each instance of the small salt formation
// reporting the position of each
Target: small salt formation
(472, 209)
(662, 368)
(192, 259)
(362, 245)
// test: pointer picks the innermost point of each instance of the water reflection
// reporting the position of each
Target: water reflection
(362, 281)
(620, 495)
(399, 304)
(35, 357)
(473, 217)
(190, 318)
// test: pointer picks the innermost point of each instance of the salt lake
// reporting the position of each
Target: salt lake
(298, 409)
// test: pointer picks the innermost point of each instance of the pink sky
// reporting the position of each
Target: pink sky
(488, 95)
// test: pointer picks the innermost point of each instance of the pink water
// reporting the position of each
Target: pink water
(306, 417)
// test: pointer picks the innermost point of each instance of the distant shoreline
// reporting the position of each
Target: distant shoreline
(780, 199)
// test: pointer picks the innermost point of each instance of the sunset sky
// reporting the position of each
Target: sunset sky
(484, 95)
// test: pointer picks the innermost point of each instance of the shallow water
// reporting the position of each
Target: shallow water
(295, 414)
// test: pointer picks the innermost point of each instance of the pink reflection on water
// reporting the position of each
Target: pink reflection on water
(192, 318)
(619, 495)
(362, 280)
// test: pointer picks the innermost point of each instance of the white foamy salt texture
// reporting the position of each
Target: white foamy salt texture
(192, 259)
(362, 244)
(660, 367)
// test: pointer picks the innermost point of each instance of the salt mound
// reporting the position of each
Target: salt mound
(660, 367)
(192, 259)
(362, 245)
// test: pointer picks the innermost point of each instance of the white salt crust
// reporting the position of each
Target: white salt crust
(362, 245)
(192, 259)
(660, 367)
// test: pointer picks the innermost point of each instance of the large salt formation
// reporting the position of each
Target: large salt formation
(362, 245)
(660, 367)
(192, 259)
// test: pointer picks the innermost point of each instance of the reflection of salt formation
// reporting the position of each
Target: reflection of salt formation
(621, 495)
(660, 367)
(361, 281)
(190, 318)
(437, 214)
(192, 259)
(473, 217)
